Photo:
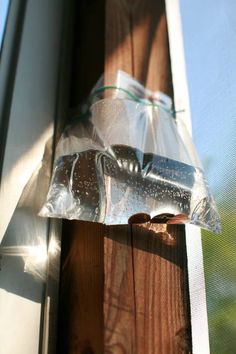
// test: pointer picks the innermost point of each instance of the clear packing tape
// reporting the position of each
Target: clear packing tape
(128, 155)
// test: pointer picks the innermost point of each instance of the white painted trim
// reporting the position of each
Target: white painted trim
(197, 291)
(198, 308)
(30, 118)
(178, 67)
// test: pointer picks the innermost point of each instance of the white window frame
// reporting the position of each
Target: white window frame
(196, 279)
(29, 95)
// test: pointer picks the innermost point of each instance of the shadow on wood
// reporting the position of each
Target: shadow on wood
(167, 241)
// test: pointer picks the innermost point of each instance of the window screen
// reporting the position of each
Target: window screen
(209, 31)
(4, 4)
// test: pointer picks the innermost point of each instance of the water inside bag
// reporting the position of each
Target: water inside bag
(111, 186)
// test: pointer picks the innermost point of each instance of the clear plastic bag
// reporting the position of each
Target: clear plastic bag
(128, 155)
(29, 240)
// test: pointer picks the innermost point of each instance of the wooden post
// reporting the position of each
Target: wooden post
(146, 291)
(126, 292)
(81, 325)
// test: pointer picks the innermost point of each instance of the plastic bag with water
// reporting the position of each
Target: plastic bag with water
(127, 156)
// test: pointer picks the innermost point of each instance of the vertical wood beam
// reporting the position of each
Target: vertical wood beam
(80, 325)
(81, 316)
(145, 266)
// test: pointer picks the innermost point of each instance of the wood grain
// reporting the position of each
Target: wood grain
(119, 306)
(150, 296)
(160, 295)
(80, 325)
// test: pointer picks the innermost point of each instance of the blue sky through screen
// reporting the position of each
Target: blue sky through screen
(3, 15)
(209, 31)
